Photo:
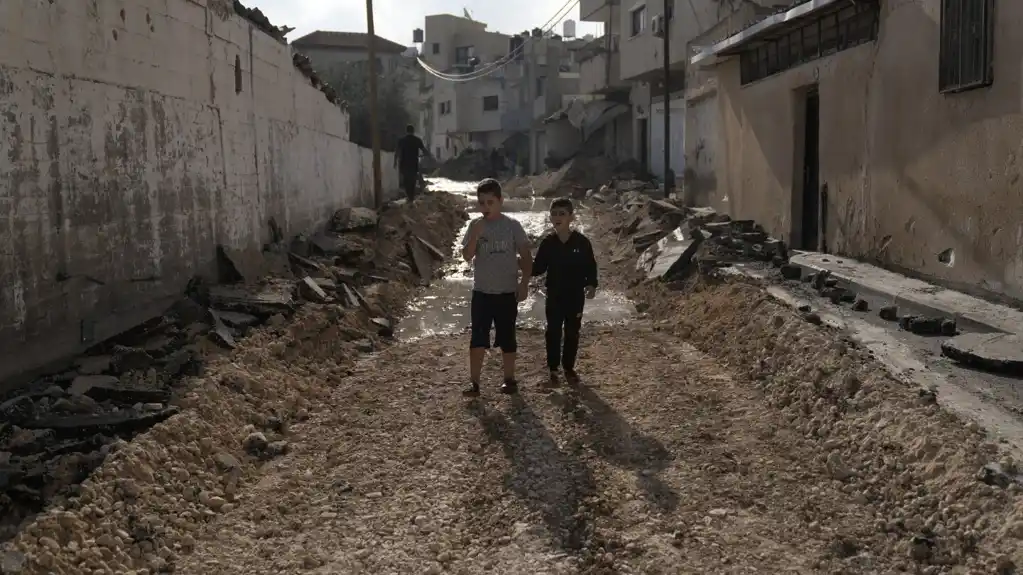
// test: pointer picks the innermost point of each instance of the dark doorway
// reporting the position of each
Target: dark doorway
(644, 143)
(811, 201)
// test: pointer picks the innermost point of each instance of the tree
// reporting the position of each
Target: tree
(351, 80)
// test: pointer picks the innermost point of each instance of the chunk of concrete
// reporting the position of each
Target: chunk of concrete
(83, 383)
(669, 257)
(421, 259)
(312, 291)
(243, 265)
(994, 352)
(349, 219)
(93, 365)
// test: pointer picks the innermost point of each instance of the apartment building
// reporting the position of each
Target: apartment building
(505, 108)
(629, 60)
(880, 130)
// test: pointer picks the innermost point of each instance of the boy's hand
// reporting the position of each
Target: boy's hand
(591, 292)
(523, 292)
(476, 229)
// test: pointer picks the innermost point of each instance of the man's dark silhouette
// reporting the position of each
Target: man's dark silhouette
(407, 160)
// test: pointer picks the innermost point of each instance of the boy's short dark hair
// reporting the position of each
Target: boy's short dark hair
(563, 204)
(489, 186)
(410, 129)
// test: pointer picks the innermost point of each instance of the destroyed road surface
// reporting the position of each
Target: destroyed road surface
(716, 432)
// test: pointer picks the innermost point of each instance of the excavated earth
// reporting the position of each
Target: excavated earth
(719, 432)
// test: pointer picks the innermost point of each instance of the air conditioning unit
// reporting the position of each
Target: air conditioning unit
(657, 26)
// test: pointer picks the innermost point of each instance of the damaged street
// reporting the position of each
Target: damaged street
(303, 415)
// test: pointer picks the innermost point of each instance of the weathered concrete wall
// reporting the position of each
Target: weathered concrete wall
(910, 172)
(136, 135)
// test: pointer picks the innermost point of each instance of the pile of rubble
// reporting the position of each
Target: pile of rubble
(588, 175)
(468, 166)
(357, 272)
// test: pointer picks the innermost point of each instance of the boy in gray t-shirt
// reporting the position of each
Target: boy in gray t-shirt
(498, 248)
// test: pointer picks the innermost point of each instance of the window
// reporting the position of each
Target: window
(820, 36)
(490, 103)
(436, 48)
(539, 86)
(237, 75)
(462, 55)
(967, 43)
(638, 16)
(670, 15)
(444, 108)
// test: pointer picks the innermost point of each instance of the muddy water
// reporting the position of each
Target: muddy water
(444, 307)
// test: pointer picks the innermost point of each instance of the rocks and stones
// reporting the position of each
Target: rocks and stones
(434, 252)
(236, 319)
(889, 313)
(994, 352)
(121, 421)
(384, 327)
(312, 291)
(670, 258)
(240, 265)
(996, 475)
(861, 305)
(928, 326)
(255, 443)
(223, 334)
(422, 260)
(274, 296)
(921, 548)
(348, 249)
(17, 409)
(791, 272)
(93, 365)
(108, 388)
(364, 345)
(352, 219)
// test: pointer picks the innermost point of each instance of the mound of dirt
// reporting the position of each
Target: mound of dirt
(944, 498)
(141, 507)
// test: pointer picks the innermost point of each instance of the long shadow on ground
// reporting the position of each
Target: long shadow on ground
(619, 443)
(549, 480)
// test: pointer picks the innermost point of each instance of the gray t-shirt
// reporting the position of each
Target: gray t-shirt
(496, 265)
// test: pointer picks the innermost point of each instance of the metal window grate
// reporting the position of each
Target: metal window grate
(827, 34)
(967, 45)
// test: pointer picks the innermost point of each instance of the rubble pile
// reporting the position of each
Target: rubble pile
(468, 166)
(587, 175)
(149, 435)
(945, 499)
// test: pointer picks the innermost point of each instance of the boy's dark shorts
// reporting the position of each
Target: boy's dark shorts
(497, 310)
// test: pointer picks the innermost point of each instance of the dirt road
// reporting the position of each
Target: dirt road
(717, 433)
(660, 461)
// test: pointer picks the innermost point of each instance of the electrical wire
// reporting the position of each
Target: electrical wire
(502, 62)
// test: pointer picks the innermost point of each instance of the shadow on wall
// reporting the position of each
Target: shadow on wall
(911, 173)
(124, 174)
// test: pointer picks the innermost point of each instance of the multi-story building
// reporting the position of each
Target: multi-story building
(327, 50)
(504, 108)
(629, 58)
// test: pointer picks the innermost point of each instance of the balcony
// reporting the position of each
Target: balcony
(595, 10)
(600, 70)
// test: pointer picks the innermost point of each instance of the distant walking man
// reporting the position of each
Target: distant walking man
(407, 160)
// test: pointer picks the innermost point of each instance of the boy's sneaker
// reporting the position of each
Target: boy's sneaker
(472, 391)
(552, 381)
(509, 387)
(571, 377)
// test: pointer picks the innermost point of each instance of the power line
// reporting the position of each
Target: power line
(502, 62)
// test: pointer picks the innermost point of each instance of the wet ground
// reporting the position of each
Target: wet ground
(444, 308)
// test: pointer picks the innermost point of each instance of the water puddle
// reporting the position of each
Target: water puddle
(443, 309)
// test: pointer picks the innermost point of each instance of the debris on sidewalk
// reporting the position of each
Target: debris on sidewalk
(101, 417)
(868, 428)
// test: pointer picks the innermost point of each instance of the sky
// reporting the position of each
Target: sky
(396, 19)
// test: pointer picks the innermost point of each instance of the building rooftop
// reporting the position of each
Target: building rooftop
(346, 40)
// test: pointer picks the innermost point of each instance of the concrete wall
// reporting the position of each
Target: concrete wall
(130, 153)
(910, 172)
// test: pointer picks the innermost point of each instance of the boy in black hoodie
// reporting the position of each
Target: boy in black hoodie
(566, 257)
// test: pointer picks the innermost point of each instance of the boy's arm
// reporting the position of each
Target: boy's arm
(471, 240)
(525, 254)
(591, 265)
(540, 261)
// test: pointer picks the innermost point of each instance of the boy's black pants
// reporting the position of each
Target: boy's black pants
(564, 318)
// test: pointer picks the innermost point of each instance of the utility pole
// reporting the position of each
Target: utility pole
(530, 62)
(374, 122)
(669, 182)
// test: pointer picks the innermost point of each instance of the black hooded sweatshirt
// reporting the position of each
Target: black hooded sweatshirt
(570, 266)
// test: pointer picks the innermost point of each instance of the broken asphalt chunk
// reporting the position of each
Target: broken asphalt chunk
(223, 334)
(421, 260)
(350, 219)
(994, 352)
(241, 265)
(384, 327)
(121, 421)
(311, 291)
